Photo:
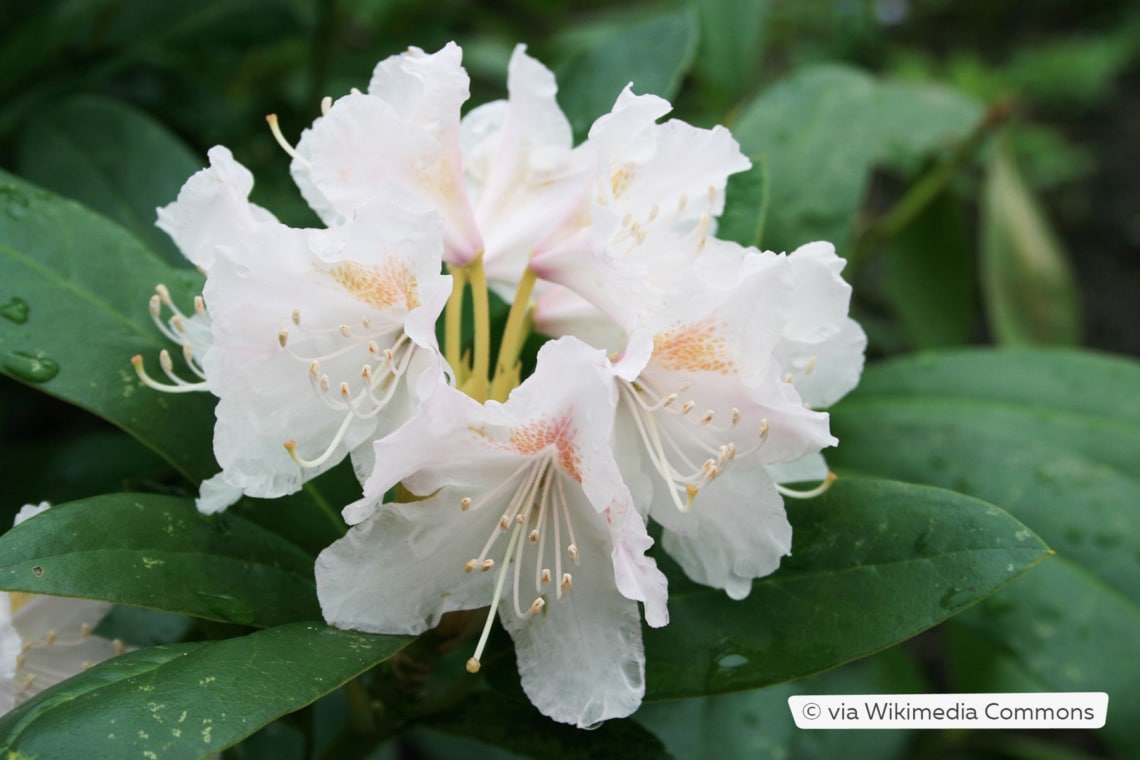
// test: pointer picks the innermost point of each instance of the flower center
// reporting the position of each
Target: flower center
(536, 510)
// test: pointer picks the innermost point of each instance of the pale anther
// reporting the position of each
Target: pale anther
(487, 564)
(687, 407)
(283, 337)
(567, 581)
(533, 536)
(465, 503)
(345, 331)
(546, 575)
(537, 606)
(471, 565)
(297, 317)
(326, 104)
(572, 550)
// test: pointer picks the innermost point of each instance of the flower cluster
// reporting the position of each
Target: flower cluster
(680, 385)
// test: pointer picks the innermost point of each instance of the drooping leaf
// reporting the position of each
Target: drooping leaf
(873, 563)
(1031, 292)
(190, 700)
(73, 310)
(112, 158)
(654, 54)
(160, 552)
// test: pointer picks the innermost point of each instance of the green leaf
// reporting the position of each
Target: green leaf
(516, 726)
(873, 563)
(757, 723)
(745, 205)
(930, 276)
(1031, 292)
(823, 129)
(1069, 632)
(731, 41)
(654, 54)
(160, 552)
(1051, 436)
(111, 157)
(73, 300)
(190, 700)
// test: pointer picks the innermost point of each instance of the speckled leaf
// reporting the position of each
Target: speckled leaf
(190, 700)
(873, 563)
(73, 310)
(159, 552)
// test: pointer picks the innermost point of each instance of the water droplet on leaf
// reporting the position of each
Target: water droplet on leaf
(16, 310)
(732, 660)
(30, 368)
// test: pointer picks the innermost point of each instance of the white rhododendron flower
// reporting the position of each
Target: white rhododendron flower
(47, 639)
(525, 510)
(319, 340)
(683, 384)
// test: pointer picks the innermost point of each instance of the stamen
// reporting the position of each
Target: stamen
(297, 317)
(471, 565)
(687, 407)
(147, 380)
(275, 128)
(326, 105)
(572, 550)
(283, 337)
(537, 606)
(465, 503)
(811, 494)
(534, 536)
(473, 662)
(545, 575)
(291, 445)
(567, 581)
(487, 564)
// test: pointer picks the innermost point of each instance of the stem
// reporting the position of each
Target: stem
(482, 309)
(513, 336)
(453, 325)
(923, 192)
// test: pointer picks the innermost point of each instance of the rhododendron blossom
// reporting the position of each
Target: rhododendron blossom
(524, 509)
(681, 385)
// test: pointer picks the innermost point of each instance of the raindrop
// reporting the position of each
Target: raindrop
(16, 310)
(30, 367)
(732, 661)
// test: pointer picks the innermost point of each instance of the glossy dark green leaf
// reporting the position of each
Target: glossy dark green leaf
(1052, 437)
(757, 723)
(1069, 632)
(112, 158)
(1031, 291)
(514, 725)
(74, 289)
(930, 276)
(873, 563)
(190, 700)
(654, 54)
(159, 552)
(823, 128)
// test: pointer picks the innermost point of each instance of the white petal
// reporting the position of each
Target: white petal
(28, 511)
(399, 570)
(581, 658)
(736, 531)
(216, 495)
(212, 208)
(809, 469)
